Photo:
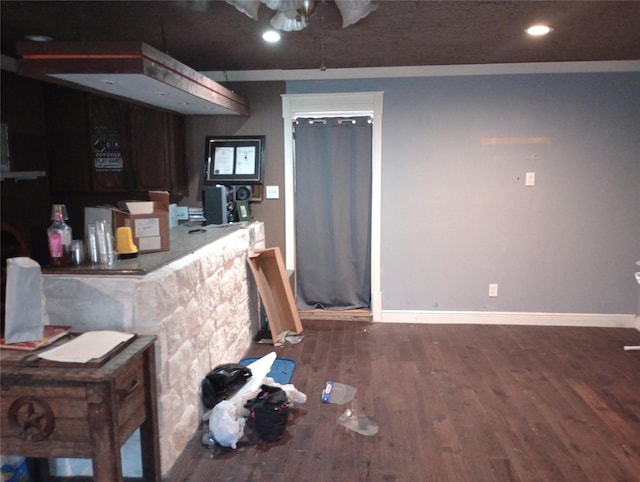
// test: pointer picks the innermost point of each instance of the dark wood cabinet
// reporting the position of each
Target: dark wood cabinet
(110, 160)
(100, 144)
(178, 155)
(67, 135)
(158, 150)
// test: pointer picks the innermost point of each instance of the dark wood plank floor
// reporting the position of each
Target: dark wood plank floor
(453, 403)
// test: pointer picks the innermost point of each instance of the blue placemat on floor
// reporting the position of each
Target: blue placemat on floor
(281, 370)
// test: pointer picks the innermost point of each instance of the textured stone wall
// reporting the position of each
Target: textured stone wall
(203, 309)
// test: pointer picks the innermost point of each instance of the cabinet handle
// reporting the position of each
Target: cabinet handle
(123, 394)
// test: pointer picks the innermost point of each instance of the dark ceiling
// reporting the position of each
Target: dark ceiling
(214, 36)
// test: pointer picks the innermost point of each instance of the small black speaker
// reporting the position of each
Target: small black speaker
(249, 192)
(242, 193)
(215, 204)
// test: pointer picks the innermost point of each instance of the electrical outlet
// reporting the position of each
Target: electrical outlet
(493, 290)
(272, 192)
(530, 179)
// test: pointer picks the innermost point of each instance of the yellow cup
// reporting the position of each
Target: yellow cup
(124, 242)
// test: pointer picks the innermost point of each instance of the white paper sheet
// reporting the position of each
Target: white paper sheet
(89, 345)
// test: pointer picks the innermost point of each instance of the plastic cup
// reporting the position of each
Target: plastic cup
(92, 244)
(77, 251)
(104, 238)
(110, 259)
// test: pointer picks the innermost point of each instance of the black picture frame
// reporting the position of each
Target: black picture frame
(234, 160)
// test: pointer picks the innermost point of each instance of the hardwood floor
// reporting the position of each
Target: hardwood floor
(453, 403)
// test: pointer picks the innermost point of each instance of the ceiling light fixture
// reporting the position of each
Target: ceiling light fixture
(271, 36)
(293, 15)
(38, 38)
(538, 30)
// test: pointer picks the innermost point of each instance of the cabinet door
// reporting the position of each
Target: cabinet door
(158, 150)
(178, 157)
(102, 144)
(150, 142)
(109, 138)
(67, 144)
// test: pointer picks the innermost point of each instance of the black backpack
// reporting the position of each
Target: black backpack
(269, 413)
(222, 382)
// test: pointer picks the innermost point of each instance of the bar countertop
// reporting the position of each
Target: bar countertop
(185, 240)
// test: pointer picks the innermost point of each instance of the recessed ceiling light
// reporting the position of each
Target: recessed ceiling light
(538, 30)
(271, 36)
(38, 38)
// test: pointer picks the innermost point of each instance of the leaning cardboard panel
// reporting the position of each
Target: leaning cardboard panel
(275, 292)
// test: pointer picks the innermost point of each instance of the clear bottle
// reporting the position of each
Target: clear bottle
(59, 236)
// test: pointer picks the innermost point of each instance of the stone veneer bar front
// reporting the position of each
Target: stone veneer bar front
(202, 305)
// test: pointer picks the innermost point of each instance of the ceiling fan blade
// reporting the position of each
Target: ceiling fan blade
(288, 22)
(284, 5)
(248, 7)
(353, 11)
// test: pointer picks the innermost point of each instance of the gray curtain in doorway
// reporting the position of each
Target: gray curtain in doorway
(333, 212)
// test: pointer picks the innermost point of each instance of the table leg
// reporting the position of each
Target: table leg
(107, 463)
(149, 435)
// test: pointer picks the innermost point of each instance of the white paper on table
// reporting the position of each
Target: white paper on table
(89, 345)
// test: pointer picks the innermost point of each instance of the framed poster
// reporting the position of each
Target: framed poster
(234, 160)
(106, 145)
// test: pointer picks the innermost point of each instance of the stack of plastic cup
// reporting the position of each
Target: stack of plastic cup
(107, 255)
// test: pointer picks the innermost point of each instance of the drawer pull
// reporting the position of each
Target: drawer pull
(123, 394)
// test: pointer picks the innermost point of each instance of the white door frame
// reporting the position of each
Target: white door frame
(344, 104)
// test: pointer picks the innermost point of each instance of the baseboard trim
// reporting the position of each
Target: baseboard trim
(512, 318)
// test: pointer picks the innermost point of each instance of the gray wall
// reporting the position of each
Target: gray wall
(457, 216)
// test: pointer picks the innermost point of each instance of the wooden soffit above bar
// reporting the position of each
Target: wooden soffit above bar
(131, 70)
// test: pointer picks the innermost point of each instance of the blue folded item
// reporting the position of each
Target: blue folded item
(281, 370)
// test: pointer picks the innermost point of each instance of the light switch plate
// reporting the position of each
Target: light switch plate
(272, 192)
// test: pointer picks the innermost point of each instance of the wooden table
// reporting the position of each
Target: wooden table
(54, 409)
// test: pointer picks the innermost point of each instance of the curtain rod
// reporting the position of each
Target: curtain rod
(340, 119)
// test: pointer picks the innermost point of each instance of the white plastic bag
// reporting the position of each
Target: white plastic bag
(294, 396)
(226, 424)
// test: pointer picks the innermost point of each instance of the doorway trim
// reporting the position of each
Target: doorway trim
(340, 104)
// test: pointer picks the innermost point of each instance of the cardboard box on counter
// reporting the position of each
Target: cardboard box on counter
(149, 221)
